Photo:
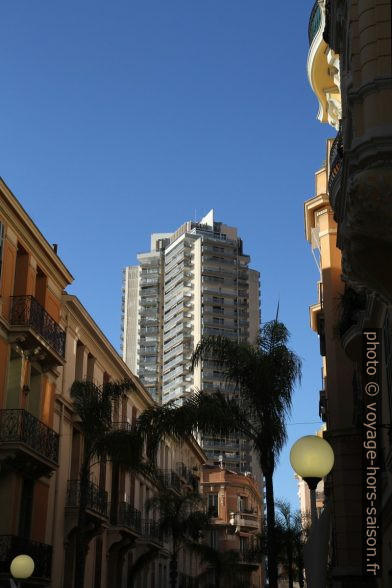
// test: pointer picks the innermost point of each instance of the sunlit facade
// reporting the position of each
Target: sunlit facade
(194, 282)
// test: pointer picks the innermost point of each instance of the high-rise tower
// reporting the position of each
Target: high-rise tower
(194, 282)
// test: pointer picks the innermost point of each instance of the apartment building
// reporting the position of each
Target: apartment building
(349, 69)
(121, 528)
(194, 282)
(235, 505)
(47, 341)
(32, 353)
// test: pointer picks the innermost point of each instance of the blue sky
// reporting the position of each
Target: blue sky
(124, 118)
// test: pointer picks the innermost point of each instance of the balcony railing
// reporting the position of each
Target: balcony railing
(19, 426)
(169, 479)
(150, 530)
(186, 474)
(314, 22)
(335, 160)
(97, 498)
(250, 556)
(26, 311)
(11, 546)
(125, 515)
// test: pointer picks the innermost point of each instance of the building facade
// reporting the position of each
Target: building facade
(235, 505)
(194, 282)
(47, 341)
(121, 528)
(349, 68)
(32, 353)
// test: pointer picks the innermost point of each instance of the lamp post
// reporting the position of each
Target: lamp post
(22, 567)
(312, 458)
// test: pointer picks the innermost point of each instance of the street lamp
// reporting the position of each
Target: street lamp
(312, 458)
(22, 567)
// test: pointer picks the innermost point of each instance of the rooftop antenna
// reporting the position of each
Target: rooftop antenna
(195, 214)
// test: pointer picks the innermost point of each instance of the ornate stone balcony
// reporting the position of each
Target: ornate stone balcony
(323, 68)
(26, 443)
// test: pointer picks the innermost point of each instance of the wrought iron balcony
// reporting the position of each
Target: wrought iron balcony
(20, 429)
(169, 479)
(122, 426)
(314, 22)
(187, 476)
(150, 530)
(11, 546)
(26, 311)
(97, 498)
(124, 515)
(335, 161)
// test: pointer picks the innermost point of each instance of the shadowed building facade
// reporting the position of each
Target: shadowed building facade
(349, 69)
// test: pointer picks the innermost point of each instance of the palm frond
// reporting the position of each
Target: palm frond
(143, 561)
(207, 413)
(180, 515)
(124, 447)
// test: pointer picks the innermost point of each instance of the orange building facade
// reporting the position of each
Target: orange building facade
(32, 351)
(47, 341)
(235, 505)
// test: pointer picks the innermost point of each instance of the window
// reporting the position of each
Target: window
(212, 505)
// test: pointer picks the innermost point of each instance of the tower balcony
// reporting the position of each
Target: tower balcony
(323, 68)
(27, 444)
(36, 332)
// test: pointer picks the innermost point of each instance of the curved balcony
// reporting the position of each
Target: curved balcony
(335, 169)
(323, 68)
(353, 306)
(314, 22)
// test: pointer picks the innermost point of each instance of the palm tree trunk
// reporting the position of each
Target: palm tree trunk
(173, 574)
(290, 564)
(217, 579)
(271, 546)
(81, 539)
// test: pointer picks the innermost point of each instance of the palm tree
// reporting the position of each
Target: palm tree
(225, 564)
(180, 518)
(93, 405)
(140, 564)
(291, 532)
(264, 375)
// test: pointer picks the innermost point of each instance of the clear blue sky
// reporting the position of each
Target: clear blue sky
(123, 118)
